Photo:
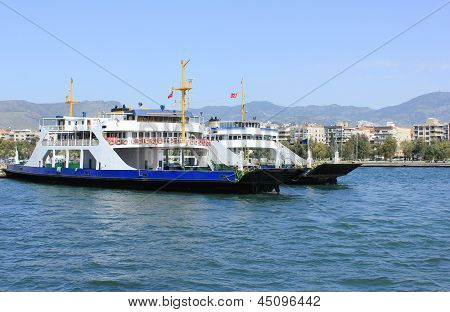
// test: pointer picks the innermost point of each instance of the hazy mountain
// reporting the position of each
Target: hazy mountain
(436, 104)
(268, 111)
(23, 114)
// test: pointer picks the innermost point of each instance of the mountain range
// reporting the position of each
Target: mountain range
(18, 114)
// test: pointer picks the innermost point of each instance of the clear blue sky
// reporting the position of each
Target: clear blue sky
(282, 48)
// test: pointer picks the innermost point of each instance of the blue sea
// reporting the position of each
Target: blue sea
(379, 229)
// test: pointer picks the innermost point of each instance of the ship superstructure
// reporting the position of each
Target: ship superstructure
(253, 142)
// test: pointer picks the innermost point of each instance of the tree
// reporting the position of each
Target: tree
(419, 149)
(357, 147)
(320, 150)
(25, 148)
(389, 147)
(300, 149)
(7, 149)
(437, 151)
(407, 148)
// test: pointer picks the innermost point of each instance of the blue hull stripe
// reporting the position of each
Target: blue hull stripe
(157, 175)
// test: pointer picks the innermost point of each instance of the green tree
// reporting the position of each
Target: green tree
(419, 149)
(437, 151)
(300, 149)
(320, 150)
(25, 148)
(389, 147)
(7, 149)
(357, 147)
(407, 148)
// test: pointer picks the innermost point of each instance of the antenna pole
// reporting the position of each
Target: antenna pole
(185, 86)
(242, 100)
(69, 99)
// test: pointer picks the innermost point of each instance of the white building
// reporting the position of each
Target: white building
(18, 135)
(400, 134)
(339, 133)
(430, 131)
(310, 131)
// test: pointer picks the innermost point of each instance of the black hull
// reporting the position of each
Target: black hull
(324, 174)
(259, 181)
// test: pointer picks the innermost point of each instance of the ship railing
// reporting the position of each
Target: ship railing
(73, 142)
(157, 142)
(53, 128)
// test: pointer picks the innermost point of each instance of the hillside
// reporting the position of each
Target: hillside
(23, 114)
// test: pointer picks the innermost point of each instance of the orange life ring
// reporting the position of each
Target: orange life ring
(160, 141)
(124, 142)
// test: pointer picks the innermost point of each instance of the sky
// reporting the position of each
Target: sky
(282, 49)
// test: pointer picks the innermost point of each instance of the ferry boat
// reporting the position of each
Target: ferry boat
(141, 149)
(257, 145)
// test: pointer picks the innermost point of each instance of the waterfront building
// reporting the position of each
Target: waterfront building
(338, 134)
(431, 130)
(400, 134)
(310, 131)
(286, 134)
(447, 131)
(18, 135)
(367, 131)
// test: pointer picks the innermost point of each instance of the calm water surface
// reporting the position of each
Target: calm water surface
(378, 230)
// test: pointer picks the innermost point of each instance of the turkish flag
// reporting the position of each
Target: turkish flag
(233, 95)
(170, 95)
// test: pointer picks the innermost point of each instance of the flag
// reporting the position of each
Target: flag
(305, 141)
(233, 95)
(170, 95)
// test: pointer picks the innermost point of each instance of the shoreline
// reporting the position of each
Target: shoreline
(413, 164)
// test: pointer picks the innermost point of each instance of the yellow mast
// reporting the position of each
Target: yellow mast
(70, 100)
(242, 100)
(185, 86)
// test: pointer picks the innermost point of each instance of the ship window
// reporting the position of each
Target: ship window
(158, 134)
(230, 137)
(147, 134)
(134, 135)
(153, 134)
(164, 134)
(141, 134)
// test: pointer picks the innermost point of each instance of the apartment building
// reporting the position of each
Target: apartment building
(431, 130)
(311, 131)
(400, 134)
(18, 135)
(339, 133)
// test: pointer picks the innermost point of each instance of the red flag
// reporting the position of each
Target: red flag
(170, 95)
(233, 95)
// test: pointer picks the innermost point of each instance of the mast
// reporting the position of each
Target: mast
(185, 86)
(70, 100)
(242, 100)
